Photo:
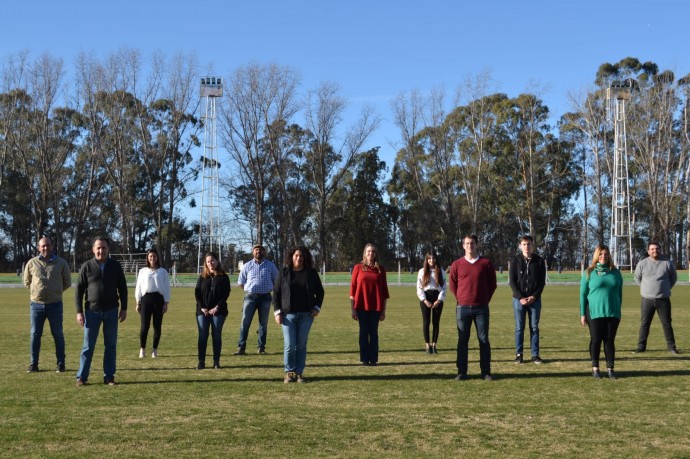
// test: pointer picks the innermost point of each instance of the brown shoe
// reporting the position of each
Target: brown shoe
(289, 377)
(80, 382)
(300, 378)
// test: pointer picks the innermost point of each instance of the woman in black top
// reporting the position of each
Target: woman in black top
(211, 292)
(297, 300)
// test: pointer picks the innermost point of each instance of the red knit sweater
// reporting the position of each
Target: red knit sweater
(369, 288)
(473, 284)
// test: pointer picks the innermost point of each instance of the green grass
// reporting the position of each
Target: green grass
(408, 406)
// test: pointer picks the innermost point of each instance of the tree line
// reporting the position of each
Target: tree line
(110, 150)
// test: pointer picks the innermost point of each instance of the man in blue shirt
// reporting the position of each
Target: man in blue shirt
(257, 278)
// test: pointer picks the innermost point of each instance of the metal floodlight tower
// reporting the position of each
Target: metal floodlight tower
(209, 221)
(621, 231)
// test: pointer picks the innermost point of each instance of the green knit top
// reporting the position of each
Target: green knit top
(602, 292)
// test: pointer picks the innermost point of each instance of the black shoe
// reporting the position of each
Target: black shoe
(612, 374)
(518, 359)
(33, 368)
(488, 377)
(433, 348)
(110, 381)
(537, 360)
(674, 351)
(428, 350)
(240, 351)
(261, 351)
(201, 366)
(216, 365)
(639, 350)
(596, 374)
(372, 364)
(462, 377)
(60, 368)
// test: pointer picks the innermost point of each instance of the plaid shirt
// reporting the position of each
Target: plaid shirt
(258, 278)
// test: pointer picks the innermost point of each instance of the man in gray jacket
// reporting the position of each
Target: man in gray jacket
(656, 277)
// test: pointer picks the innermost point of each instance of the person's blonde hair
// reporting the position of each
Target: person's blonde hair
(207, 272)
(595, 259)
(364, 257)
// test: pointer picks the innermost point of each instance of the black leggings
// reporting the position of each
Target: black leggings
(151, 306)
(603, 329)
(433, 316)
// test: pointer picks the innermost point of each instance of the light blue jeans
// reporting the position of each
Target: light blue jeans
(296, 328)
(92, 325)
(39, 313)
(533, 311)
(252, 303)
(215, 324)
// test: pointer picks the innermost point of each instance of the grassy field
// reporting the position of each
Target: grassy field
(408, 406)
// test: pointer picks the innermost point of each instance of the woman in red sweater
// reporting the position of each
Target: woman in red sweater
(368, 296)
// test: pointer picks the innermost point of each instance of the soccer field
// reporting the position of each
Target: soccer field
(408, 406)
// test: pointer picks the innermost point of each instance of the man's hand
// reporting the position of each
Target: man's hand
(80, 319)
(122, 315)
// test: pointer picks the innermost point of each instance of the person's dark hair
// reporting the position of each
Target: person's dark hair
(651, 243)
(207, 272)
(471, 236)
(526, 237)
(158, 258)
(102, 239)
(427, 270)
(308, 258)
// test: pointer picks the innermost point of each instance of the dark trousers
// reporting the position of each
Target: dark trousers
(465, 315)
(663, 307)
(368, 336)
(151, 308)
(603, 330)
(431, 316)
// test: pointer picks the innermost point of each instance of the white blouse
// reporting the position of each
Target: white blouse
(432, 285)
(150, 281)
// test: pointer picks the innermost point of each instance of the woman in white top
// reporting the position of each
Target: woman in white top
(153, 295)
(431, 291)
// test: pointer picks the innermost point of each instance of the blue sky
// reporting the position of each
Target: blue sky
(373, 49)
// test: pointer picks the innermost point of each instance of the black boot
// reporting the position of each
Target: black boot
(596, 374)
(612, 374)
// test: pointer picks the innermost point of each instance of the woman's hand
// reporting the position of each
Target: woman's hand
(383, 316)
(583, 320)
(139, 308)
(204, 311)
(354, 314)
(279, 319)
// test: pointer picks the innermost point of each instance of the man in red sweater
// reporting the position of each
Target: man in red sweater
(473, 282)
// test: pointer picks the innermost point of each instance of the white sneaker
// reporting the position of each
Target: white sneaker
(154, 353)
(142, 353)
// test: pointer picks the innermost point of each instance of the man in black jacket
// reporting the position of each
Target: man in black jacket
(527, 277)
(100, 287)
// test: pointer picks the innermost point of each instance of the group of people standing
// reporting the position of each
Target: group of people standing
(297, 294)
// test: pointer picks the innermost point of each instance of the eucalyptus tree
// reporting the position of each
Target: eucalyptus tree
(331, 153)
(256, 97)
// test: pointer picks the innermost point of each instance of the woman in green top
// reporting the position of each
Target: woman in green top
(601, 292)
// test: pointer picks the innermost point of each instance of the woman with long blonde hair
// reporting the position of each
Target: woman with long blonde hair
(601, 294)
(368, 297)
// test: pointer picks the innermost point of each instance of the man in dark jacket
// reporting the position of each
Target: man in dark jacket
(527, 277)
(100, 287)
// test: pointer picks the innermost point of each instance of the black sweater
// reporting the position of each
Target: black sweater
(212, 291)
(281, 293)
(101, 290)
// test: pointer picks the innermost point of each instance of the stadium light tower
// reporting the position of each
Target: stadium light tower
(209, 221)
(621, 232)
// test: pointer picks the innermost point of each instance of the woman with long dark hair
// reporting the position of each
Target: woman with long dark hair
(211, 292)
(297, 300)
(431, 291)
(601, 294)
(152, 293)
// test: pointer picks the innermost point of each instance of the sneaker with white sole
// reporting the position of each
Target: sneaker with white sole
(142, 353)
(154, 353)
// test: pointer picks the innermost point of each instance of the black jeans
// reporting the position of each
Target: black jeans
(603, 329)
(151, 307)
(431, 316)
(663, 307)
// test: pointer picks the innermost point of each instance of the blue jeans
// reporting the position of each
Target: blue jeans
(296, 328)
(215, 324)
(533, 311)
(252, 303)
(39, 313)
(92, 326)
(465, 315)
(368, 336)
